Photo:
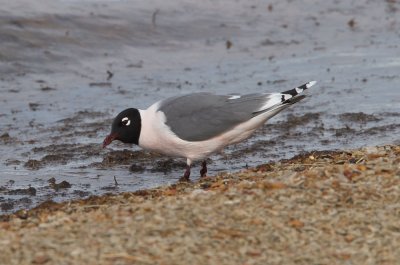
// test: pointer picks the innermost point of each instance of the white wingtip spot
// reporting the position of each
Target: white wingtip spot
(299, 90)
(286, 97)
(310, 84)
(235, 97)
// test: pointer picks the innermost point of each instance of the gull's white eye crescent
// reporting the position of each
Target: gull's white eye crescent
(125, 121)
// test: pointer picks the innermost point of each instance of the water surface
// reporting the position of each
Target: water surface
(68, 67)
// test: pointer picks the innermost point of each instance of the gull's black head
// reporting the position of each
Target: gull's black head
(125, 127)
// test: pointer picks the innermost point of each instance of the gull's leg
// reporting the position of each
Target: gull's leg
(203, 170)
(186, 175)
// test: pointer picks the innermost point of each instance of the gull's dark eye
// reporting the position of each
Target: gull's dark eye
(125, 121)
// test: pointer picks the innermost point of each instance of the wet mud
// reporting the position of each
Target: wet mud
(65, 74)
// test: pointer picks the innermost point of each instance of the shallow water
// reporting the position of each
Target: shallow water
(58, 99)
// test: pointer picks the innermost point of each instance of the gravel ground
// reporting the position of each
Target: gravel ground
(317, 208)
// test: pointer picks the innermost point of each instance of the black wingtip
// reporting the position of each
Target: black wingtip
(297, 90)
(294, 99)
(307, 85)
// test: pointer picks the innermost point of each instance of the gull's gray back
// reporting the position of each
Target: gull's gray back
(200, 116)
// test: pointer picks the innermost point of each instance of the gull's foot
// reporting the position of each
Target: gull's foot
(186, 175)
(203, 171)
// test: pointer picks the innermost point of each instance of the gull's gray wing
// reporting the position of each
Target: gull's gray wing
(200, 116)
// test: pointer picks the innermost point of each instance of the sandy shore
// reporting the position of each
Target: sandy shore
(318, 208)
